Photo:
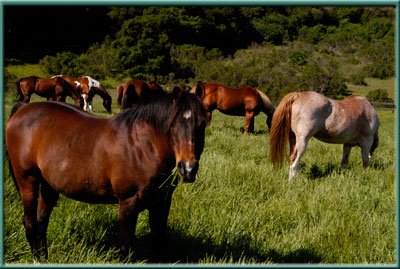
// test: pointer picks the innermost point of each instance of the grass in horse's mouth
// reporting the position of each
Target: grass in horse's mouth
(173, 178)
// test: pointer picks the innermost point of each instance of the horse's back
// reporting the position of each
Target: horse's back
(356, 112)
(231, 101)
(65, 145)
(333, 121)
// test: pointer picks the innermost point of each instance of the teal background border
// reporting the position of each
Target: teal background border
(395, 3)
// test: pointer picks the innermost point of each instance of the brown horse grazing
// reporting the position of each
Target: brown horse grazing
(54, 89)
(88, 88)
(143, 91)
(301, 115)
(131, 156)
(245, 101)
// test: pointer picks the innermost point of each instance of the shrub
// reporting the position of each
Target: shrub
(379, 95)
(63, 63)
(358, 79)
(298, 58)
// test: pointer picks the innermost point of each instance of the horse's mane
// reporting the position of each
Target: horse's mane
(160, 111)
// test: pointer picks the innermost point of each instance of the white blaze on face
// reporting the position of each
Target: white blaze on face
(188, 168)
(187, 115)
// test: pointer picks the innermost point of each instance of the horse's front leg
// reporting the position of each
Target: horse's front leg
(128, 213)
(90, 102)
(61, 98)
(84, 97)
(158, 217)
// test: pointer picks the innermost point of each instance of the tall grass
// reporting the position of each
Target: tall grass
(240, 210)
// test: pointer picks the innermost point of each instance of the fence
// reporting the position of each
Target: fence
(388, 106)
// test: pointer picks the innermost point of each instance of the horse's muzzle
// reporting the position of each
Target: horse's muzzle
(187, 172)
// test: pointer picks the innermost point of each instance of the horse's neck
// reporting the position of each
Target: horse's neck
(156, 145)
(102, 93)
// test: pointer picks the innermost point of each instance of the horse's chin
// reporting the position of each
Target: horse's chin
(187, 178)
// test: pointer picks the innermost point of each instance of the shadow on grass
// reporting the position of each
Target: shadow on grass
(316, 172)
(187, 249)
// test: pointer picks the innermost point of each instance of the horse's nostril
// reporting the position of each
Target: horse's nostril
(181, 167)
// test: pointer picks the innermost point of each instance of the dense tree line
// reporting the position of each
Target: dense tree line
(277, 49)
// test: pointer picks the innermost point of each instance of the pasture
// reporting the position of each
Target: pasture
(239, 210)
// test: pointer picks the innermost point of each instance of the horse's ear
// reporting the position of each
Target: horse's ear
(176, 92)
(200, 90)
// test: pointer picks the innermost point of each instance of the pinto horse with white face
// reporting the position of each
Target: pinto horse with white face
(88, 88)
(302, 115)
(131, 156)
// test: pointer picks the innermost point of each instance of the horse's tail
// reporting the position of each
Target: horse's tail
(6, 157)
(267, 107)
(375, 143)
(266, 102)
(280, 128)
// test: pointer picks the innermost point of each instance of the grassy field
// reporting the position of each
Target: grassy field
(240, 210)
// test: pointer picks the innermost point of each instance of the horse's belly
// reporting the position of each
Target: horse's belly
(88, 187)
(337, 138)
(234, 111)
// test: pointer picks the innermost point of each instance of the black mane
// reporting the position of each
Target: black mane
(159, 111)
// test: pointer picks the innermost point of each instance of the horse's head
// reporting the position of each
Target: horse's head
(187, 127)
(107, 104)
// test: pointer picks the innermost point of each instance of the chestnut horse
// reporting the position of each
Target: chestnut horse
(54, 89)
(245, 101)
(131, 155)
(143, 91)
(302, 115)
(88, 88)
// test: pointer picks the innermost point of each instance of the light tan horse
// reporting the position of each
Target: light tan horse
(302, 115)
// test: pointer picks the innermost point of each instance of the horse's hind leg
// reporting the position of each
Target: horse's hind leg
(47, 200)
(346, 154)
(298, 151)
(366, 144)
(29, 188)
(249, 123)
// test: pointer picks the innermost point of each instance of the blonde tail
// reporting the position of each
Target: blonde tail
(280, 128)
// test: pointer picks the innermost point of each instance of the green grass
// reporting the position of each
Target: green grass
(240, 210)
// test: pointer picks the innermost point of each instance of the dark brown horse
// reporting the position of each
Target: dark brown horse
(88, 88)
(54, 89)
(142, 91)
(245, 101)
(131, 156)
(301, 115)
